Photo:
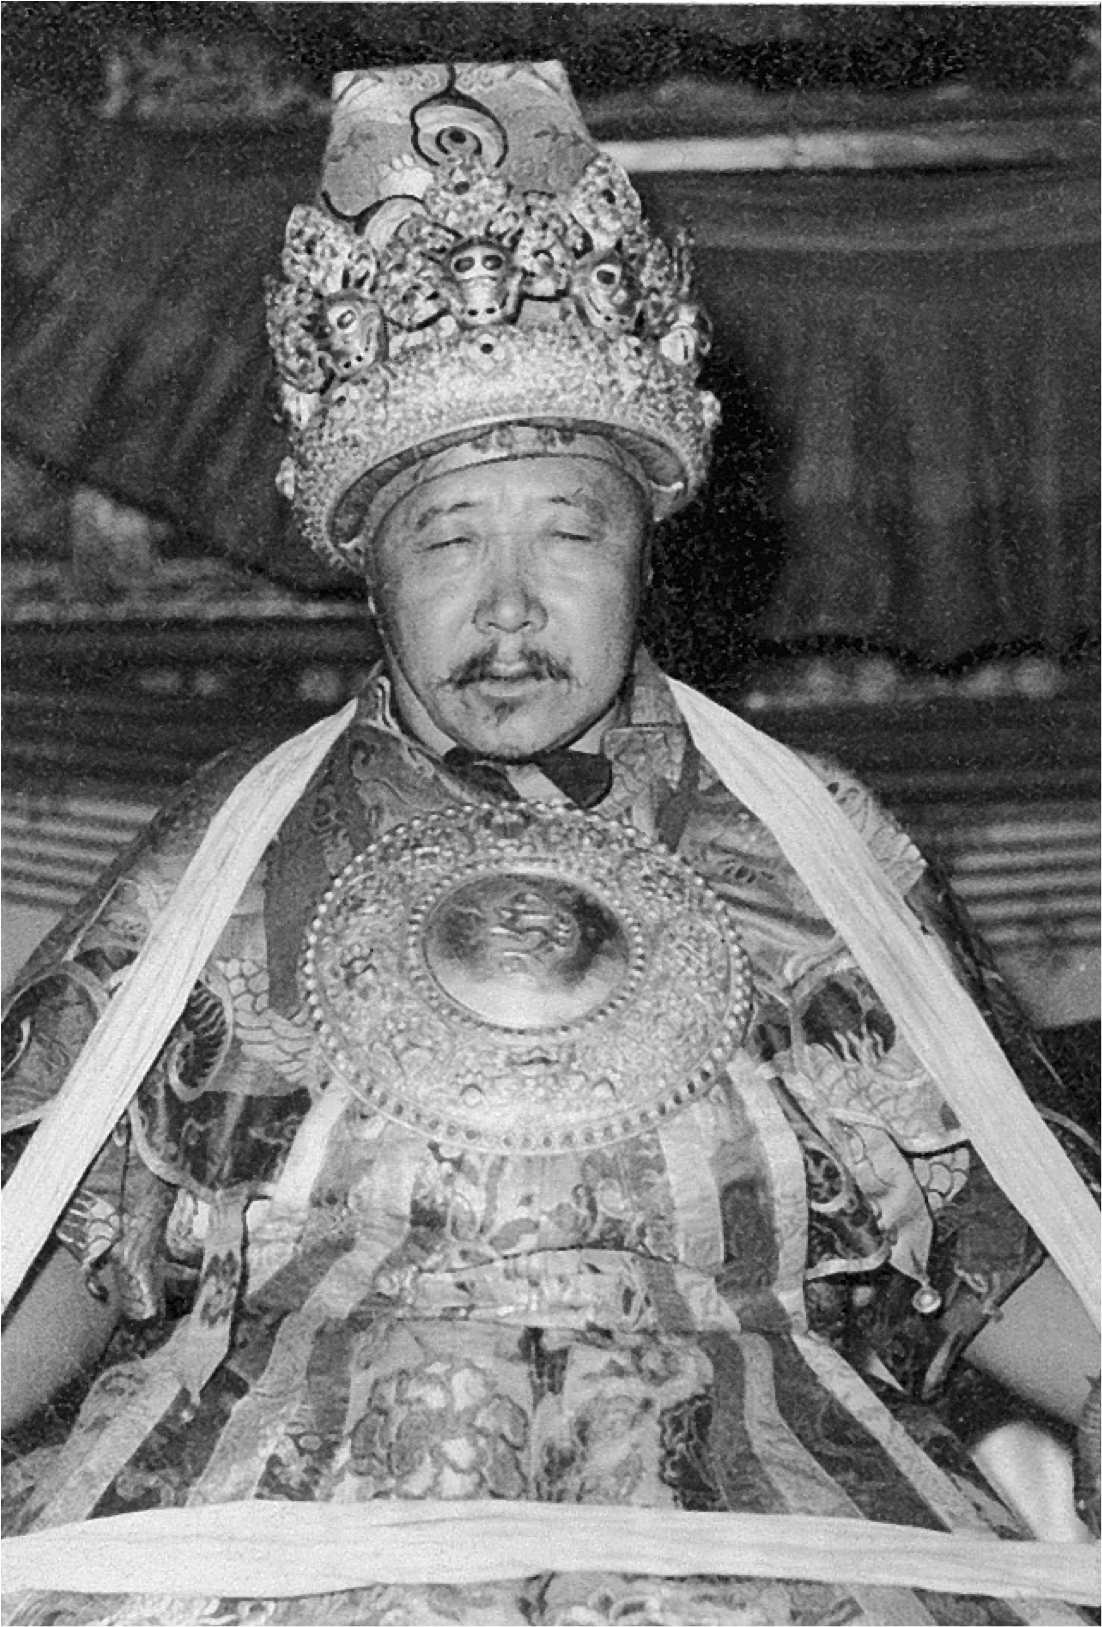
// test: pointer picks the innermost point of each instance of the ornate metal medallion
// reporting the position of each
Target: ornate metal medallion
(525, 978)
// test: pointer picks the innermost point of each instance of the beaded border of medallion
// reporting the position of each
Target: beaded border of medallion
(594, 984)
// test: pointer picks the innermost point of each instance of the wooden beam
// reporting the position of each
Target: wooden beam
(941, 145)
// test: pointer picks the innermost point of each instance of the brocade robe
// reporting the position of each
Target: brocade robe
(739, 1308)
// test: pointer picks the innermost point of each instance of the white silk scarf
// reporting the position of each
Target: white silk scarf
(272, 1549)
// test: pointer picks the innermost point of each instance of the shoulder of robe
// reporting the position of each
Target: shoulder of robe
(887, 840)
(120, 905)
(721, 822)
(65, 986)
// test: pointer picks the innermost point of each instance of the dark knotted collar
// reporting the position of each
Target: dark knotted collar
(583, 776)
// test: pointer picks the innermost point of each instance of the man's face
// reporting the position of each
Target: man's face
(506, 596)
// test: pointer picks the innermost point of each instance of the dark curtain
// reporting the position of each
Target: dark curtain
(911, 359)
(926, 349)
(136, 359)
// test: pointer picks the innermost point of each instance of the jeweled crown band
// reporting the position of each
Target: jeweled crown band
(475, 261)
(371, 501)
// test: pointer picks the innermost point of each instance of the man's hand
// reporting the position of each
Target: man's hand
(1043, 1346)
(54, 1330)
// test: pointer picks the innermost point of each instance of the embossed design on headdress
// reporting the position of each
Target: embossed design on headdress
(449, 125)
(432, 294)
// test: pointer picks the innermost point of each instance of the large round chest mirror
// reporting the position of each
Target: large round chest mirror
(524, 950)
(527, 979)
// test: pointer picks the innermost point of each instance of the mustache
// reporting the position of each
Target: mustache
(536, 664)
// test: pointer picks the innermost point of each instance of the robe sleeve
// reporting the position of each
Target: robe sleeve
(118, 1219)
(982, 1248)
(957, 1247)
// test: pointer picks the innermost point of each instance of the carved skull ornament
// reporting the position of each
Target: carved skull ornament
(606, 296)
(481, 287)
(354, 333)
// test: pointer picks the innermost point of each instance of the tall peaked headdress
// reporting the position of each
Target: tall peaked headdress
(475, 261)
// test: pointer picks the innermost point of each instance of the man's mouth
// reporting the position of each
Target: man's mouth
(489, 672)
(509, 674)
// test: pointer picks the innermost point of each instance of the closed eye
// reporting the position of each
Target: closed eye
(439, 543)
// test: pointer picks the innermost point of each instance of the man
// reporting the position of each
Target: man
(531, 1133)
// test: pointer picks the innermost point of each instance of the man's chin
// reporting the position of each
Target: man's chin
(512, 727)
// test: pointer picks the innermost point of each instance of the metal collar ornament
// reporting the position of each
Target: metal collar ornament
(475, 260)
(525, 979)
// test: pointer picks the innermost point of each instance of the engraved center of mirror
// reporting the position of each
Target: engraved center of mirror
(526, 951)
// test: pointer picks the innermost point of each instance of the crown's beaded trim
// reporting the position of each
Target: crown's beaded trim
(560, 375)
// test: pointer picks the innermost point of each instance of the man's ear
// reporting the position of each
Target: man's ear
(646, 562)
(370, 578)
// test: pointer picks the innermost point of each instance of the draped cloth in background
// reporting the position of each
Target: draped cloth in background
(927, 346)
(923, 343)
(135, 356)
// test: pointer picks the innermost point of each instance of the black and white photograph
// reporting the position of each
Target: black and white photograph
(551, 841)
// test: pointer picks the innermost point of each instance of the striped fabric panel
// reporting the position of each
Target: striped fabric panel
(1028, 877)
(55, 847)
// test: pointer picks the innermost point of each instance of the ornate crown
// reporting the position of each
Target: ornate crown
(475, 261)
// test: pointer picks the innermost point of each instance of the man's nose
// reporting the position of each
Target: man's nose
(510, 601)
